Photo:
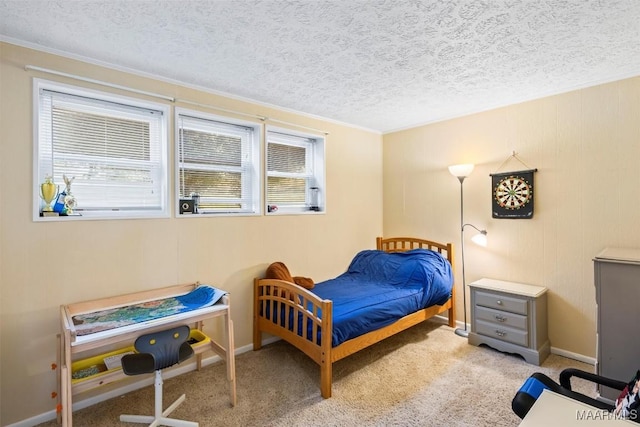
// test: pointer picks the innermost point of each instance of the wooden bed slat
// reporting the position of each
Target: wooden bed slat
(303, 307)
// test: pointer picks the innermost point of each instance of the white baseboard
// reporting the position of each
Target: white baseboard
(445, 320)
(575, 356)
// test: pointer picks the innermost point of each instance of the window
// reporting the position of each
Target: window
(113, 148)
(295, 172)
(218, 164)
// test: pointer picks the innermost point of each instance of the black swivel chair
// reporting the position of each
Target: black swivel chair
(536, 383)
(155, 352)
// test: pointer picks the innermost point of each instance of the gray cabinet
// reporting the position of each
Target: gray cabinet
(510, 317)
(617, 281)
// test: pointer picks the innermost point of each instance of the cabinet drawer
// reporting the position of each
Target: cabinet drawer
(501, 318)
(501, 302)
(502, 333)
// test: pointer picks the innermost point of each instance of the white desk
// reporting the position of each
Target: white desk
(71, 344)
(553, 409)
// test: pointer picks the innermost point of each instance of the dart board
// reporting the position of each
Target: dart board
(512, 194)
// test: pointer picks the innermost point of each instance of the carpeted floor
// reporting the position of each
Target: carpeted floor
(425, 376)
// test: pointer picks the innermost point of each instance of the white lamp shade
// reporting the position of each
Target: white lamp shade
(461, 170)
(480, 239)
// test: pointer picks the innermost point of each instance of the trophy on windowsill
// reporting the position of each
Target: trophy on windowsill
(48, 192)
(69, 199)
(65, 202)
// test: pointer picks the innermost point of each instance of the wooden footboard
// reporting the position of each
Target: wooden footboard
(301, 318)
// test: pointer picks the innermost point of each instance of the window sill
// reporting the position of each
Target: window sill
(215, 214)
(92, 216)
(282, 212)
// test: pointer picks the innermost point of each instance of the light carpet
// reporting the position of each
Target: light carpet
(424, 376)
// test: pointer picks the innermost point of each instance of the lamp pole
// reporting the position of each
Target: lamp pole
(479, 239)
(462, 332)
(462, 171)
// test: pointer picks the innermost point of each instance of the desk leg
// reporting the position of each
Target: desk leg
(59, 358)
(231, 358)
(65, 372)
(64, 398)
(199, 326)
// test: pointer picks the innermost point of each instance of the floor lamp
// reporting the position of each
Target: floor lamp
(461, 172)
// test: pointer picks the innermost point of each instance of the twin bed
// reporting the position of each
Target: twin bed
(403, 282)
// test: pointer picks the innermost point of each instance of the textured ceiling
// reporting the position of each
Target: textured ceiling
(381, 65)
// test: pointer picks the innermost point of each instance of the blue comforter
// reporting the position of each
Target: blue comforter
(379, 288)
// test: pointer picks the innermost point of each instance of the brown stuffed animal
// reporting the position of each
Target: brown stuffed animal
(279, 271)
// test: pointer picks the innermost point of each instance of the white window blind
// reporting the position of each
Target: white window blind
(218, 161)
(114, 152)
(294, 172)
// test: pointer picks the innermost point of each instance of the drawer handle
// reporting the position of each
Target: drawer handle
(500, 333)
(499, 302)
(500, 318)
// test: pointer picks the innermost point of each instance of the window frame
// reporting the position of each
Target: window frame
(317, 176)
(114, 213)
(256, 148)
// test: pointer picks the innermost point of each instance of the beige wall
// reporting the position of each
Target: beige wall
(586, 147)
(43, 265)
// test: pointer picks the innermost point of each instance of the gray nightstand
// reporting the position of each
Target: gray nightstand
(510, 317)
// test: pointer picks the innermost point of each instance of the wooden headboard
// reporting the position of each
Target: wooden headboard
(402, 244)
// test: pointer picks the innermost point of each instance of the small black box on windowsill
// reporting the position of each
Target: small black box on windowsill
(186, 206)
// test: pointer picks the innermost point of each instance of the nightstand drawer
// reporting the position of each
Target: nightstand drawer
(503, 333)
(501, 302)
(503, 318)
